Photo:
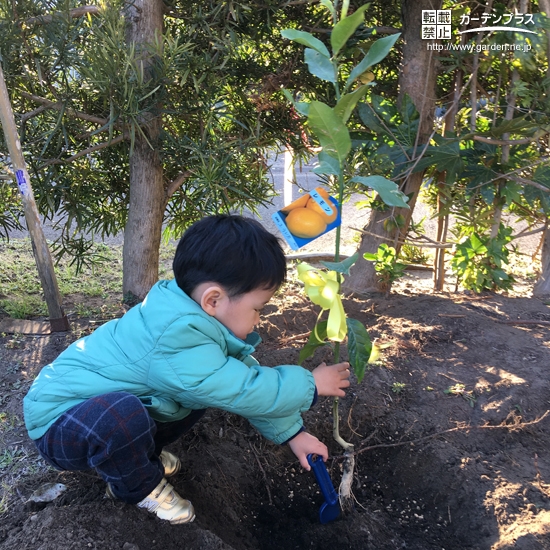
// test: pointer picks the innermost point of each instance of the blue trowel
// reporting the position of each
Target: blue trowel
(330, 509)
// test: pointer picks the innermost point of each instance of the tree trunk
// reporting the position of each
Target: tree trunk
(143, 230)
(544, 6)
(449, 124)
(442, 230)
(417, 61)
(499, 201)
(542, 286)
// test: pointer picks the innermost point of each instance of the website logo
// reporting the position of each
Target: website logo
(436, 24)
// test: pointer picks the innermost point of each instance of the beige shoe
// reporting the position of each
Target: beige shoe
(171, 463)
(168, 505)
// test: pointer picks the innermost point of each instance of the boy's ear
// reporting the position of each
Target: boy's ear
(210, 299)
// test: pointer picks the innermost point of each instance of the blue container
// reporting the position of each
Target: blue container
(297, 242)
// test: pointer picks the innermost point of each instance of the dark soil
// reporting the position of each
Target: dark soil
(450, 427)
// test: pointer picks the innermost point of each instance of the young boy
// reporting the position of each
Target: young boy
(112, 400)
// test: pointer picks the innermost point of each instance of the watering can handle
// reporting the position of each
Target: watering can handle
(323, 479)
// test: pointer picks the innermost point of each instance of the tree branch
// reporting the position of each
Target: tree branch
(402, 242)
(175, 184)
(59, 106)
(102, 145)
(387, 30)
(510, 427)
(379, 30)
(76, 12)
(299, 2)
(522, 234)
(504, 141)
(512, 174)
(34, 113)
(530, 182)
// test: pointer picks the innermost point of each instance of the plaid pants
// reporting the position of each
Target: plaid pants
(114, 434)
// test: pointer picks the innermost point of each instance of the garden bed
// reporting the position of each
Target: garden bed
(450, 429)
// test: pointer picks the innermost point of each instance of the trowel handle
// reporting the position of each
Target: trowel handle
(323, 479)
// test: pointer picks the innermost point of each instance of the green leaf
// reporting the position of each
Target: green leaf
(359, 347)
(512, 191)
(343, 266)
(288, 95)
(316, 339)
(445, 157)
(301, 107)
(319, 65)
(370, 120)
(331, 132)
(516, 125)
(330, 7)
(408, 110)
(477, 244)
(347, 102)
(327, 165)
(387, 189)
(306, 39)
(377, 52)
(542, 175)
(345, 28)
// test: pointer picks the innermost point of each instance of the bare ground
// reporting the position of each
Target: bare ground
(451, 431)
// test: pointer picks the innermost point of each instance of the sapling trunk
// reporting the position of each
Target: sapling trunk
(329, 124)
(349, 458)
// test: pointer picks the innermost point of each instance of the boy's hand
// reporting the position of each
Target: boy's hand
(304, 444)
(331, 379)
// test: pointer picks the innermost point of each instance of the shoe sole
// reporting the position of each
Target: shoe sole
(183, 521)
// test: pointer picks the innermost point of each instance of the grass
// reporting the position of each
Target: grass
(8, 422)
(95, 291)
(17, 460)
(15, 463)
(398, 387)
(8, 457)
(18, 272)
(23, 307)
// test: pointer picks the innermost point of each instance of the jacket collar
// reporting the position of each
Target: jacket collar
(235, 345)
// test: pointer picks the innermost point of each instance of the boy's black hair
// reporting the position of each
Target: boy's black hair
(232, 251)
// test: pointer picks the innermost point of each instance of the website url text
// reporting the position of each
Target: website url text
(436, 47)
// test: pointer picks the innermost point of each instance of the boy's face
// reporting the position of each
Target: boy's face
(241, 313)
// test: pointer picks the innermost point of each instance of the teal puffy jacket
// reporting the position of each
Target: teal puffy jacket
(173, 356)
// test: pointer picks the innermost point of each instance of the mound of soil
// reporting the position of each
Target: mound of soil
(450, 427)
